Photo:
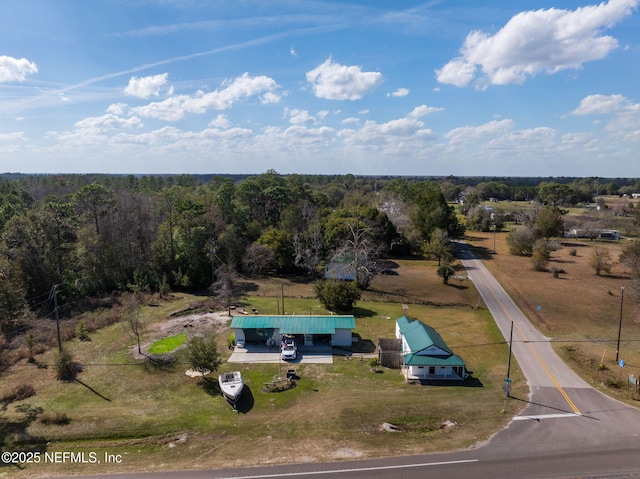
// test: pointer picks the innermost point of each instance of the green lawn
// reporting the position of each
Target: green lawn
(166, 345)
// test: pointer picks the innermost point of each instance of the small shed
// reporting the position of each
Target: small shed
(389, 352)
(308, 330)
(425, 355)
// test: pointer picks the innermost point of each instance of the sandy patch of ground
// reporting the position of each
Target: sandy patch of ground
(192, 324)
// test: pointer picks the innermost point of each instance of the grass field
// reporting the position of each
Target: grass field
(157, 418)
(166, 345)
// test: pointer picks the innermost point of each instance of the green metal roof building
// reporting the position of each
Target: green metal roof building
(334, 330)
(425, 354)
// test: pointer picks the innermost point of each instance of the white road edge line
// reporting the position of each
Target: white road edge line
(359, 469)
(545, 416)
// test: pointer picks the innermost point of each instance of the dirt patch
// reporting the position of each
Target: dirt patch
(193, 324)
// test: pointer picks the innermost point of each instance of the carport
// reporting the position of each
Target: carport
(308, 330)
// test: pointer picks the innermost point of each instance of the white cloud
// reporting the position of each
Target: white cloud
(458, 72)
(492, 129)
(401, 129)
(108, 122)
(220, 121)
(600, 105)
(297, 117)
(423, 110)
(117, 108)
(333, 81)
(351, 119)
(16, 136)
(93, 130)
(400, 92)
(537, 41)
(269, 97)
(174, 108)
(15, 69)
(145, 87)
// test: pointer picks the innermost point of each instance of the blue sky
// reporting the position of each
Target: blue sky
(492, 88)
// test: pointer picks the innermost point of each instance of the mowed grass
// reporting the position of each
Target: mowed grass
(579, 311)
(157, 418)
(166, 345)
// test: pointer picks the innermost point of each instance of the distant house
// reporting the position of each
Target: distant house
(307, 330)
(594, 234)
(425, 355)
(339, 270)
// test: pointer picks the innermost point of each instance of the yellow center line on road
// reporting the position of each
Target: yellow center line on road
(544, 366)
(535, 353)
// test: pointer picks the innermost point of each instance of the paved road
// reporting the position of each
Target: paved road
(562, 409)
(567, 429)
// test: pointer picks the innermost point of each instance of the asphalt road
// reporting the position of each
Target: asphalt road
(567, 429)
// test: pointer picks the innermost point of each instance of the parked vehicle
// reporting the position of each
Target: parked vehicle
(289, 350)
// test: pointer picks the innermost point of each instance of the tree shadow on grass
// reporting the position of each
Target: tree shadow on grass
(481, 252)
(92, 390)
(457, 286)
(14, 433)
(209, 386)
(363, 312)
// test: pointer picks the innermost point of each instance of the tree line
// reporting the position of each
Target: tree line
(96, 235)
(93, 235)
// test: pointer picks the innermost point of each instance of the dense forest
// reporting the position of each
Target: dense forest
(85, 236)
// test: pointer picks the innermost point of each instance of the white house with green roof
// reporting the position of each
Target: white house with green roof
(307, 330)
(425, 355)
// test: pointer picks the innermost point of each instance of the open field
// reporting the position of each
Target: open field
(579, 310)
(157, 418)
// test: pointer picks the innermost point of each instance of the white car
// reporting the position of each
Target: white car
(289, 351)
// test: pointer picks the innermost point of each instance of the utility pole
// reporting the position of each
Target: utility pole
(510, 349)
(620, 323)
(54, 293)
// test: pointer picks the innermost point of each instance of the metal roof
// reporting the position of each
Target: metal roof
(420, 336)
(412, 359)
(290, 324)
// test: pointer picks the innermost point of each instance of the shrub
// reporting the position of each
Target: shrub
(600, 261)
(446, 271)
(18, 393)
(521, 241)
(58, 419)
(338, 296)
(66, 368)
(540, 256)
(573, 252)
(30, 341)
(81, 332)
(202, 353)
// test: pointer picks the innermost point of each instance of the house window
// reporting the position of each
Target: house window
(432, 369)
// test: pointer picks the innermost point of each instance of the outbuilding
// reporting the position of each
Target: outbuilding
(307, 330)
(425, 355)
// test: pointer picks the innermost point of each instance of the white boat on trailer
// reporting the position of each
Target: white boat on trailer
(231, 386)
